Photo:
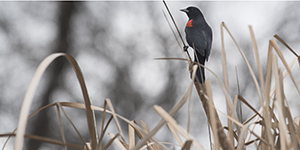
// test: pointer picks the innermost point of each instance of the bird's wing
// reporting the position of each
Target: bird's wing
(208, 36)
(197, 39)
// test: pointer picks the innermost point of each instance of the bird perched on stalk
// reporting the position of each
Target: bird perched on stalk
(199, 37)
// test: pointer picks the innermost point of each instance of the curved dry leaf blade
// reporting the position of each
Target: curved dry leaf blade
(226, 83)
(32, 88)
(285, 44)
(248, 65)
(276, 47)
(173, 123)
(116, 141)
(224, 62)
(44, 107)
(110, 106)
(136, 127)
(89, 113)
(29, 97)
(47, 140)
(256, 54)
(285, 73)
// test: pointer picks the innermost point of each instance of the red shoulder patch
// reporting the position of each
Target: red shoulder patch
(189, 23)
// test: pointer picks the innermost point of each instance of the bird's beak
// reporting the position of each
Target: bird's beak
(184, 10)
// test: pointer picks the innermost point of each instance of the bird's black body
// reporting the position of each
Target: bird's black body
(199, 37)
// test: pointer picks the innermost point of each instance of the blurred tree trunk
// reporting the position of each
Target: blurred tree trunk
(40, 126)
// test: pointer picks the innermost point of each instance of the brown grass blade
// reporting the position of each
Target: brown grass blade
(226, 84)
(144, 126)
(291, 127)
(102, 126)
(248, 65)
(47, 140)
(276, 47)
(173, 122)
(71, 122)
(224, 62)
(110, 142)
(32, 88)
(212, 114)
(103, 132)
(137, 128)
(52, 141)
(154, 145)
(172, 112)
(226, 94)
(247, 104)
(89, 112)
(285, 44)
(285, 73)
(116, 141)
(175, 134)
(141, 135)
(255, 49)
(131, 136)
(187, 145)
(28, 99)
(61, 126)
(109, 104)
(279, 104)
(241, 125)
(241, 140)
(266, 132)
(174, 34)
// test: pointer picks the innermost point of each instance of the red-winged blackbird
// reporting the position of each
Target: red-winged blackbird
(199, 37)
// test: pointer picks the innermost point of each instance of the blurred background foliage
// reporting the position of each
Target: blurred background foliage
(115, 44)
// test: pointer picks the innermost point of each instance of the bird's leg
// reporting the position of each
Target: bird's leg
(185, 48)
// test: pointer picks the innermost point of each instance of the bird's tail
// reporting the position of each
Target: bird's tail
(200, 74)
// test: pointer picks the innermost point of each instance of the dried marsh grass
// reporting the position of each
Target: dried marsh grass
(278, 129)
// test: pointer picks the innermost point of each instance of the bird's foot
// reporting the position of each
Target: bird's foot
(185, 48)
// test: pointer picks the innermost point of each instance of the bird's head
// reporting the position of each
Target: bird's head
(192, 12)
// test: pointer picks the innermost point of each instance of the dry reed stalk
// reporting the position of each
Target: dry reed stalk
(32, 88)
(218, 127)
(131, 137)
(226, 84)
